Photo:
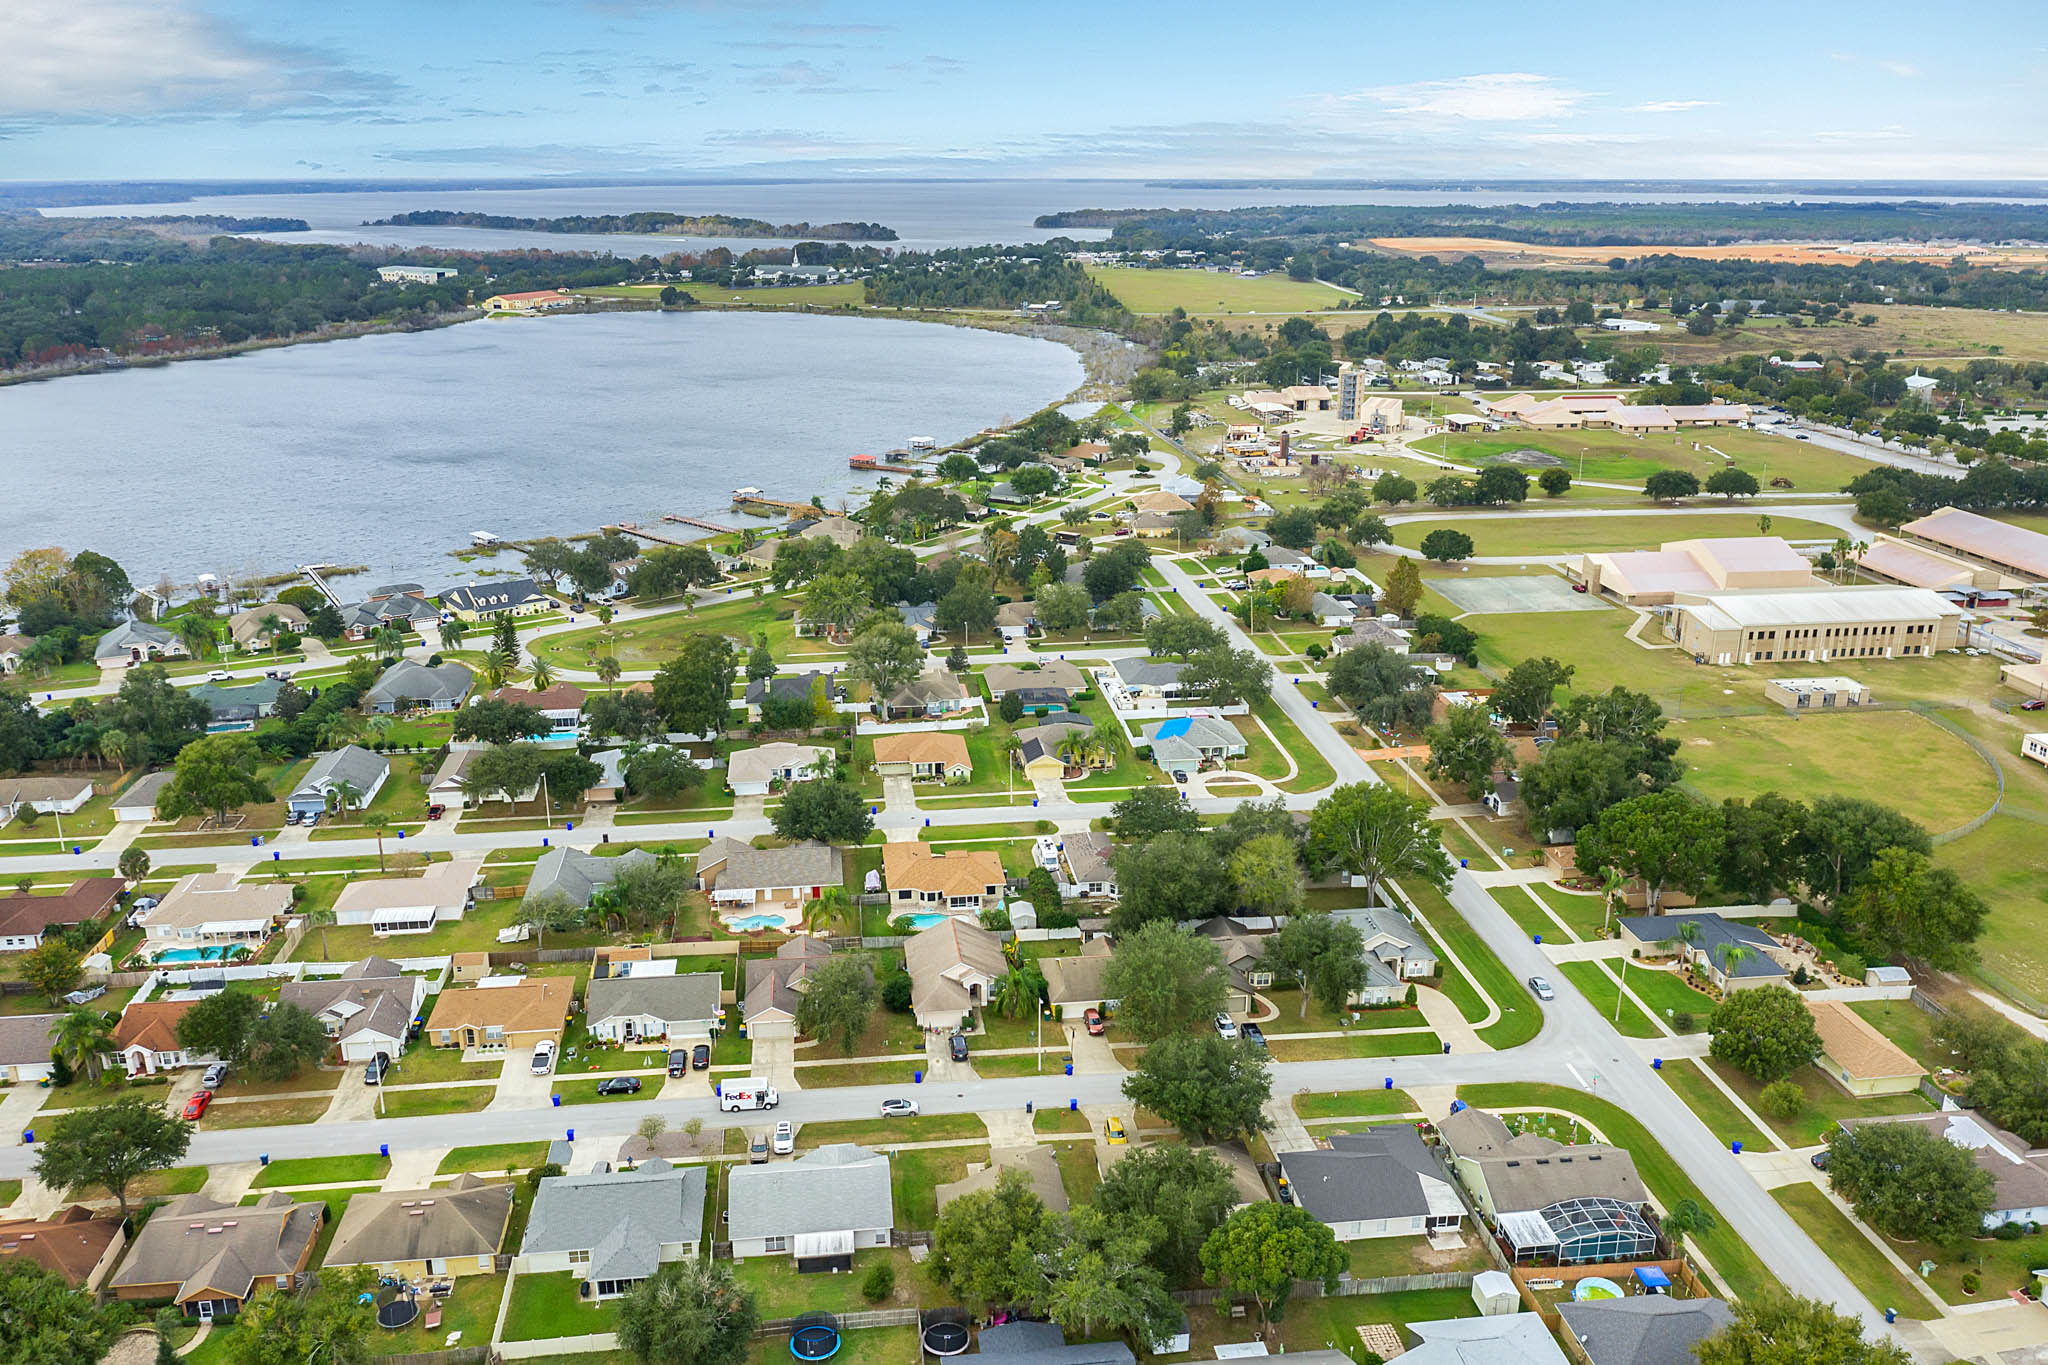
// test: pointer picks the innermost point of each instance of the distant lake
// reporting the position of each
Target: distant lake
(389, 450)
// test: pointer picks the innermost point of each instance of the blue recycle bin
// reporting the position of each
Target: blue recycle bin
(1537, 937)
(263, 1159)
(544, 841)
(556, 1100)
(1735, 1147)
(572, 1135)
(1073, 1106)
(383, 1149)
(1070, 1068)
(28, 1137)
(917, 1078)
(1656, 1063)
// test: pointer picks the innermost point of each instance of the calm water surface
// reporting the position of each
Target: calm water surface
(389, 450)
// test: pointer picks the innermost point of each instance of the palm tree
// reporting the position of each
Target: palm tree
(113, 744)
(494, 670)
(1018, 991)
(820, 913)
(340, 729)
(1687, 1217)
(320, 919)
(543, 673)
(1613, 880)
(377, 824)
(196, 633)
(1010, 746)
(608, 672)
(342, 794)
(1732, 957)
(80, 1038)
(389, 641)
(274, 631)
(452, 632)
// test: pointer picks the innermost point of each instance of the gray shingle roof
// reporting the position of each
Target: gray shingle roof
(1648, 1329)
(413, 681)
(466, 1218)
(25, 1038)
(664, 1204)
(143, 792)
(837, 1188)
(353, 764)
(1148, 672)
(796, 865)
(1363, 1176)
(129, 634)
(772, 982)
(691, 995)
(518, 592)
(1715, 936)
(579, 875)
(1042, 1343)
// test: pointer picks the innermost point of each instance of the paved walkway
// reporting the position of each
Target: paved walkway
(1511, 876)
(1447, 1022)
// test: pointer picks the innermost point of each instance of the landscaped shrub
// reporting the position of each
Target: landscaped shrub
(880, 1281)
(1683, 1021)
(543, 1172)
(1782, 1100)
(2007, 1231)
(1971, 1282)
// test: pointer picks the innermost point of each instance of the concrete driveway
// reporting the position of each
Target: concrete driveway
(938, 1060)
(1092, 1054)
(518, 1087)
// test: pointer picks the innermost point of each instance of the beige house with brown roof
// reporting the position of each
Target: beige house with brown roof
(1073, 985)
(146, 1039)
(411, 905)
(210, 1258)
(78, 1244)
(456, 1229)
(775, 986)
(1855, 1056)
(214, 909)
(495, 1018)
(1162, 502)
(250, 628)
(935, 755)
(953, 967)
(961, 881)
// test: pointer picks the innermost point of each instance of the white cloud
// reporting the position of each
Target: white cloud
(94, 59)
(1904, 70)
(1497, 97)
(1671, 106)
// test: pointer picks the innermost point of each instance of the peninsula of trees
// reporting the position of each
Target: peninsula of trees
(678, 224)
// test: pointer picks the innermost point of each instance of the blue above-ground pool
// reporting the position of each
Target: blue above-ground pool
(1595, 1287)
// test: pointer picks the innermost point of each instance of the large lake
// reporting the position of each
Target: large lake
(389, 450)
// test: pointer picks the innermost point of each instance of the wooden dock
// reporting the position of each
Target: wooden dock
(795, 509)
(701, 524)
(628, 528)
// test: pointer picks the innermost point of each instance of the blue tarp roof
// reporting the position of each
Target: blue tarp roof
(1175, 728)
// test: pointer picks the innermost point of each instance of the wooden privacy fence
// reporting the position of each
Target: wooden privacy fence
(461, 1355)
(848, 1322)
(1347, 1287)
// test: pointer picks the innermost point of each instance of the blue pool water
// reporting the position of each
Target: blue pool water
(925, 919)
(180, 956)
(758, 922)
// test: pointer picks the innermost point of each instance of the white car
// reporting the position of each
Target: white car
(785, 1138)
(1542, 988)
(219, 675)
(544, 1057)
(899, 1109)
(1226, 1026)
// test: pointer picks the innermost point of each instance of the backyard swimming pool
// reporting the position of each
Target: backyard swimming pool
(748, 923)
(181, 956)
(925, 919)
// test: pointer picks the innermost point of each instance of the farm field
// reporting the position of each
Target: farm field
(1204, 292)
(1506, 533)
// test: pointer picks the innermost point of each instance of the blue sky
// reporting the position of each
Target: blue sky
(139, 89)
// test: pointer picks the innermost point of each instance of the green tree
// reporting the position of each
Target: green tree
(1184, 1193)
(838, 1000)
(1554, 481)
(133, 864)
(1688, 1218)
(692, 1312)
(1733, 483)
(693, 691)
(1403, 588)
(503, 771)
(47, 1322)
(81, 1036)
(885, 656)
(1181, 637)
(1843, 836)
(1525, 694)
(969, 609)
(1265, 875)
(53, 967)
(1096, 1280)
(760, 663)
(1466, 749)
(1386, 689)
(1393, 488)
(1905, 904)
(1669, 485)
(215, 774)
(661, 773)
(1775, 1328)
(111, 1146)
(1210, 1088)
(1225, 677)
(1062, 607)
(1150, 811)
(1909, 1182)
(1783, 1100)
(986, 1243)
(1262, 1249)
(492, 721)
(284, 1042)
(324, 1321)
(1760, 849)
(218, 1026)
(551, 912)
(1446, 546)
(1325, 956)
(1765, 1032)
(1663, 839)
(1167, 877)
(1166, 981)
(832, 812)
(1369, 531)
(1373, 831)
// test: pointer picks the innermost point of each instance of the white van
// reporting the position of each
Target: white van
(751, 1093)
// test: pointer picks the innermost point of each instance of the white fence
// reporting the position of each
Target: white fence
(558, 1346)
(964, 720)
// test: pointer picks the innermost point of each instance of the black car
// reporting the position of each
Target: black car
(1820, 1160)
(373, 1074)
(678, 1062)
(957, 1046)
(700, 1057)
(619, 1085)
(1252, 1033)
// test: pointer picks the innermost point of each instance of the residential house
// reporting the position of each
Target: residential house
(1294, 561)
(2019, 1172)
(239, 706)
(1383, 1182)
(1856, 1056)
(577, 875)
(1162, 502)
(139, 801)
(933, 755)
(1336, 613)
(1395, 954)
(929, 696)
(412, 905)
(839, 530)
(1073, 985)
(491, 1019)
(616, 1228)
(43, 793)
(679, 1009)
(953, 966)
(920, 617)
(1755, 962)
(1090, 871)
(963, 881)
(818, 1209)
(368, 1009)
(146, 1039)
(1643, 1329)
(417, 1235)
(360, 771)
(136, 642)
(1371, 633)
(1154, 525)
(775, 986)
(1509, 1339)
(210, 1258)
(561, 704)
(1039, 747)
(78, 1245)
(1014, 620)
(214, 910)
(792, 687)
(476, 602)
(251, 627)
(12, 647)
(1043, 1343)
(24, 916)
(407, 610)
(1188, 744)
(408, 685)
(25, 1043)
(742, 877)
(1037, 1163)
(1244, 961)
(1237, 540)
(756, 771)
(1508, 1173)
(1149, 677)
(610, 786)
(1051, 675)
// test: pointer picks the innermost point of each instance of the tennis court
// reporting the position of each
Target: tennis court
(1519, 593)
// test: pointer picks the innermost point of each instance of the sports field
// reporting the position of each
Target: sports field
(1503, 533)
(1207, 292)
(1618, 457)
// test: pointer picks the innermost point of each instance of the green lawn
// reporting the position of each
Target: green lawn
(916, 1176)
(2000, 1265)
(1737, 1264)
(422, 1064)
(1374, 1258)
(879, 1131)
(1714, 1108)
(1826, 1103)
(1205, 292)
(1617, 457)
(1521, 1018)
(547, 1306)
(493, 1157)
(1285, 1049)
(1060, 1121)
(456, 1099)
(1597, 984)
(471, 1310)
(1078, 1173)
(1665, 993)
(584, 1090)
(650, 641)
(10, 1190)
(1877, 1278)
(779, 1292)
(2006, 862)
(859, 1073)
(1911, 1027)
(1312, 770)
(872, 1346)
(1344, 1104)
(1503, 533)
(322, 1170)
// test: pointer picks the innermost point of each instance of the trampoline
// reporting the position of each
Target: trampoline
(945, 1331)
(398, 1311)
(814, 1337)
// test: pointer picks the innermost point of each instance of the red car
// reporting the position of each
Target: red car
(2032, 704)
(1093, 1018)
(196, 1106)
(1578, 587)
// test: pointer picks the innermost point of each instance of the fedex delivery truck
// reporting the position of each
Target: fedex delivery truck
(751, 1093)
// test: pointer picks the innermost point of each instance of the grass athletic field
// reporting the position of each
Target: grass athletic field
(1204, 292)
(1505, 533)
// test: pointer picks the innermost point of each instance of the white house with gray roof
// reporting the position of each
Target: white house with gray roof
(638, 1009)
(135, 642)
(417, 686)
(753, 772)
(820, 1208)
(578, 875)
(1149, 677)
(616, 1229)
(353, 765)
(1187, 744)
(368, 1009)
(1383, 1182)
